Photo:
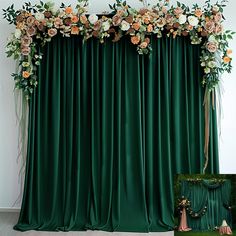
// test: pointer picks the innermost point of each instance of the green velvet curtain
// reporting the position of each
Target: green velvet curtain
(214, 197)
(108, 129)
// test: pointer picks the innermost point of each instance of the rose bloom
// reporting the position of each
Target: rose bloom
(229, 51)
(211, 46)
(136, 25)
(226, 59)
(149, 28)
(169, 18)
(135, 39)
(143, 11)
(52, 32)
(218, 17)
(164, 10)
(58, 22)
(41, 27)
(48, 14)
(218, 29)
(129, 19)
(31, 31)
(116, 20)
(204, 33)
(25, 51)
(83, 19)
(30, 21)
(19, 18)
(74, 30)
(161, 22)
(26, 41)
(120, 12)
(124, 25)
(147, 40)
(97, 25)
(198, 13)
(26, 74)
(178, 11)
(68, 10)
(67, 21)
(74, 19)
(143, 45)
(210, 26)
(189, 27)
(146, 20)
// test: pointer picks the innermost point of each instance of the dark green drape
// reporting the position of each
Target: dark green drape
(108, 130)
(214, 197)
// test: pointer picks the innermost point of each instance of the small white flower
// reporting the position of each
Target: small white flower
(211, 64)
(17, 33)
(39, 16)
(203, 64)
(193, 20)
(93, 18)
(124, 25)
(105, 25)
(215, 8)
(182, 19)
(207, 70)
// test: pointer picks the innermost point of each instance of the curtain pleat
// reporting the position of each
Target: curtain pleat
(108, 130)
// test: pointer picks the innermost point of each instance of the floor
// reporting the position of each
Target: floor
(7, 220)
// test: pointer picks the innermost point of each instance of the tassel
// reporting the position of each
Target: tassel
(206, 104)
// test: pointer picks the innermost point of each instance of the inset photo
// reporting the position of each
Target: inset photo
(205, 205)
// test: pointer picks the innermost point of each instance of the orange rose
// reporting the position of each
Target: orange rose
(229, 51)
(226, 59)
(136, 25)
(83, 19)
(135, 39)
(25, 74)
(198, 13)
(74, 19)
(68, 10)
(74, 30)
(149, 28)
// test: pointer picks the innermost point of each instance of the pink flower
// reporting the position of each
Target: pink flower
(52, 32)
(178, 11)
(58, 22)
(212, 46)
(116, 20)
(41, 27)
(30, 21)
(26, 41)
(31, 31)
(143, 45)
(25, 51)
(97, 25)
(218, 17)
(210, 26)
(218, 29)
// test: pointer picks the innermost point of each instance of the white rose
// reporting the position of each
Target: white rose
(182, 19)
(17, 33)
(93, 19)
(105, 25)
(124, 25)
(215, 8)
(193, 20)
(39, 16)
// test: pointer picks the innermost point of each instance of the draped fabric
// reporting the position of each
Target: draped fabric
(108, 130)
(212, 196)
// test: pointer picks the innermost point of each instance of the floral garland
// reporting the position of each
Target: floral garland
(38, 24)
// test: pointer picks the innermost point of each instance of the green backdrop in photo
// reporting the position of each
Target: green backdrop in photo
(108, 129)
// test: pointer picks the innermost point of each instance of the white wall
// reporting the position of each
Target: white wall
(9, 169)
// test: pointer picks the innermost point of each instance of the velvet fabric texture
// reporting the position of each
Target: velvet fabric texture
(108, 129)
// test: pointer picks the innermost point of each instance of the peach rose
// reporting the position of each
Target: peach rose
(74, 30)
(68, 10)
(218, 17)
(30, 21)
(135, 39)
(161, 22)
(74, 19)
(136, 25)
(209, 26)
(97, 25)
(83, 19)
(149, 28)
(116, 20)
(52, 32)
(143, 45)
(164, 9)
(211, 46)
(218, 29)
(178, 11)
(26, 41)
(229, 51)
(26, 74)
(25, 51)
(58, 22)
(226, 59)
(198, 13)
(143, 11)
(31, 31)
